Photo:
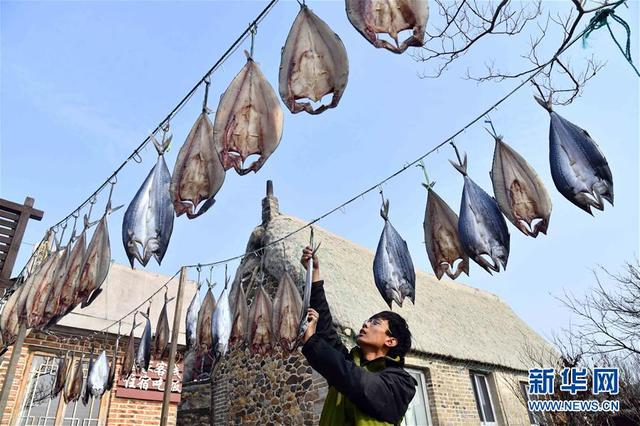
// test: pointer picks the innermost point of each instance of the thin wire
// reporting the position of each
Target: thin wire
(375, 186)
(135, 155)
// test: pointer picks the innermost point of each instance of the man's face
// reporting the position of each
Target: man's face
(375, 334)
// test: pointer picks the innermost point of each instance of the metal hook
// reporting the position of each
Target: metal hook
(207, 82)
(226, 278)
(254, 31)
(429, 184)
(455, 148)
(493, 130)
(136, 157)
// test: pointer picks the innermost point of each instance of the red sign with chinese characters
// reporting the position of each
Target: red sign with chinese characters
(149, 385)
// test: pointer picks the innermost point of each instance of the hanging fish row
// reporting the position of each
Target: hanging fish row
(261, 326)
(249, 119)
(68, 277)
(580, 173)
(70, 380)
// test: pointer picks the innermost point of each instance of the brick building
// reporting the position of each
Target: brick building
(470, 351)
(128, 402)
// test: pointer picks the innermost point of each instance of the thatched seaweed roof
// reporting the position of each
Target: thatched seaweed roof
(449, 319)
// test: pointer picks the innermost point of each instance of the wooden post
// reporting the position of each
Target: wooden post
(11, 368)
(173, 349)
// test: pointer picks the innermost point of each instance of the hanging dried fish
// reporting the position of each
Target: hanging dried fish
(143, 354)
(204, 338)
(73, 381)
(98, 377)
(198, 174)
(10, 317)
(61, 374)
(191, 319)
(221, 325)
(260, 327)
(161, 338)
(71, 280)
(578, 168)
(148, 221)
(248, 120)
(375, 17)
(112, 367)
(87, 391)
(130, 352)
(40, 289)
(519, 191)
(240, 318)
(393, 270)
(97, 261)
(314, 64)
(287, 306)
(306, 295)
(440, 226)
(53, 300)
(482, 228)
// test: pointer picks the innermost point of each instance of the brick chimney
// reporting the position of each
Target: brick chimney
(270, 208)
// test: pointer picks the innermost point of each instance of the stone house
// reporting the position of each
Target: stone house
(130, 401)
(470, 353)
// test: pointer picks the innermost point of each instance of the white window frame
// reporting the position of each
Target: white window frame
(478, 394)
(425, 395)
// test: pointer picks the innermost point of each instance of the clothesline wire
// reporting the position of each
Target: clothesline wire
(482, 115)
(165, 122)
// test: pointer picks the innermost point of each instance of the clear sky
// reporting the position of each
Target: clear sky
(84, 82)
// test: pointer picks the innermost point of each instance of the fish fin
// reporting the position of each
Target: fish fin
(89, 300)
(462, 168)
(544, 104)
(203, 208)
(384, 211)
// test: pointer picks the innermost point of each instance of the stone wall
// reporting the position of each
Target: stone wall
(195, 404)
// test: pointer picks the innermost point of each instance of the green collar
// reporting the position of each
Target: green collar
(377, 364)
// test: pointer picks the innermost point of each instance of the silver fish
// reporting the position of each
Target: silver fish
(148, 221)
(287, 307)
(393, 270)
(260, 326)
(482, 228)
(314, 64)
(204, 338)
(443, 244)
(191, 319)
(161, 338)
(519, 191)
(578, 168)
(143, 354)
(98, 377)
(240, 318)
(306, 296)
(198, 174)
(374, 17)
(221, 325)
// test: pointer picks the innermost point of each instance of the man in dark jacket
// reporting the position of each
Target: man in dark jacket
(367, 385)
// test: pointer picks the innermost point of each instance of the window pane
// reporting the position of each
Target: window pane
(477, 396)
(417, 411)
(38, 407)
(525, 394)
(486, 400)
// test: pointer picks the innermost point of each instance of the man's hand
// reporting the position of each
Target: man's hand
(312, 320)
(307, 252)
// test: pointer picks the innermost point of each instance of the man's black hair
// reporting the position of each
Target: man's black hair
(399, 329)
